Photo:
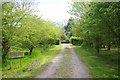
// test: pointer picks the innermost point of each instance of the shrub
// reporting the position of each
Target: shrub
(26, 53)
(57, 42)
(76, 40)
(65, 41)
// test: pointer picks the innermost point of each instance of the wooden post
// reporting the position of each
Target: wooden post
(10, 63)
(20, 61)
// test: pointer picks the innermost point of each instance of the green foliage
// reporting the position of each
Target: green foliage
(96, 23)
(68, 27)
(21, 28)
(31, 65)
(65, 41)
(76, 40)
(57, 42)
(64, 38)
(11, 15)
(26, 53)
(103, 66)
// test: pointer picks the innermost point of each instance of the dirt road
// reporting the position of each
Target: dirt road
(65, 65)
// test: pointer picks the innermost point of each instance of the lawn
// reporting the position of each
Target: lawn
(31, 64)
(102, 65)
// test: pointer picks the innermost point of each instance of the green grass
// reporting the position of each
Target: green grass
(104, 65)
(31, 64)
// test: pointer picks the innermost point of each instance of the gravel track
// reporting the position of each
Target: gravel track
(65, 65)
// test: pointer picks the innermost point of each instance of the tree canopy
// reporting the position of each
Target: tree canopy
(97, 23)
(21, 28)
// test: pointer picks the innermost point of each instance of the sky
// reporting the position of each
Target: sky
(54, 10)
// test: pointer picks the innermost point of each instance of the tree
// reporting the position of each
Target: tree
(12, 14)
(35, 32)
(29, 37)
(97, 23)
(68, 27)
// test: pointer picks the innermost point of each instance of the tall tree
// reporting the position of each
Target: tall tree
(68, 27)
(97, 23)
(12, 14)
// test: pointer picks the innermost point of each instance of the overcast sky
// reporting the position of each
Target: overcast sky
(54, 10)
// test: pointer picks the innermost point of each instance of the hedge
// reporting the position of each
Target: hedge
(76, 41)
(65, 41)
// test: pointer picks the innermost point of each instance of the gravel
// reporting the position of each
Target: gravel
(65, 65)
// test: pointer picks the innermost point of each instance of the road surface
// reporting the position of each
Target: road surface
(65, 65)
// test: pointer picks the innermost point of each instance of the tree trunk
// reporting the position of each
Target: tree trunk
(118, 46)
(31, 49)
(103, 46)
(5, 51)
(108, 47)
(97, 48)
(91, 44)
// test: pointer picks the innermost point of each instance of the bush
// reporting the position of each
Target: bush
(76, 41)
(26, 53)
(65, 41)
(51, 41)
(57, 42)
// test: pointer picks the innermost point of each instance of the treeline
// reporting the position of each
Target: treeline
(96, 23)
(22, 29)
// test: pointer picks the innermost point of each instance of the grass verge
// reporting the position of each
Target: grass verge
(104, 65)
(31, 64)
